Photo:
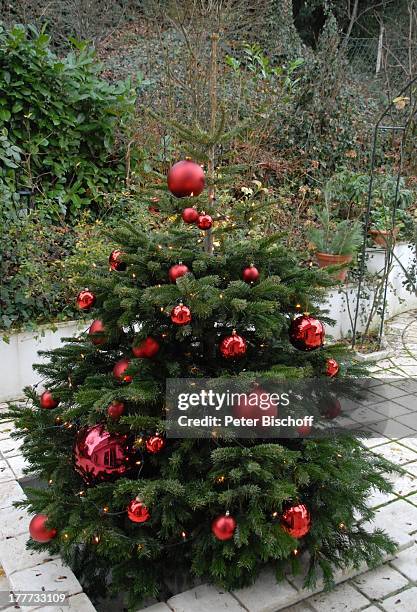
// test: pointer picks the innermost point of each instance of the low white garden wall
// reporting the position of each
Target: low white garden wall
(17, 356)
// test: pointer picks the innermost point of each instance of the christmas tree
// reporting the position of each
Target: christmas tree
(199, 296)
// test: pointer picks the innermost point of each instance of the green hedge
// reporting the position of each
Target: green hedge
(70, 124)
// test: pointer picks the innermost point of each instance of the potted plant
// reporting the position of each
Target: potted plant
(382, 231)
(336, 241)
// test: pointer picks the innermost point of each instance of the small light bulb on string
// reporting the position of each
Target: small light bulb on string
(96, 539)
(105, 509)
(298, 306)
(342, 526)
(138, 463)
(82, 356)
(133, 275)
(275, 515)
(50, 482)
(94, 265)
(159, 246)
(58, 420)
(295, 552)
(183, 535)
(81, 493)
(162, 309)
(65, 536)
(220, 479)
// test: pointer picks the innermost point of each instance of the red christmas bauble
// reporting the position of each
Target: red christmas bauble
(119, 370)
(137, 511)
(332, 368)
(186, 179)
(148, 348)
(233, 346)
(296, 521)
(250, 274)
(154, 444)
(330, 407)
(177, 271)
(96, 331)
(304, 430)
(181, 315)
(223, 527)
(38, 530)
(100, 455)
(307, 333)
(115, 410)
(115, 261)
(48, 401)
(190, 215)
(255, 405)
(85, 299)
(204, 222)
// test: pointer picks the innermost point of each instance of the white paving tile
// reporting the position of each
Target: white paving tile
(406, 562)
(406, 601)
(18, 464)
(13, 522)
(396, 453)
(9, 447)
(204, 598)
(50, 576)
(267, 595)
(343, 598)
(380, 582)
(399, 514)
(6, 473)
(14, 555)
(9, 493)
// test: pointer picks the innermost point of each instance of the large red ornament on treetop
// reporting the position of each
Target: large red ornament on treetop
(250, 274)
(332, 368)
(190, 215)
(204, 222)
(154, 444)
(115, 410)
(148, 348)
(232, 347)
(96, 331)
(101, 456)
(38, 530)
(115, 261)
(296, 521)
(181, 315)
(85, 299)
(223, 527)
(48, 401)
(137, 511)
(177, 271)
(307, 333)
(185, 179)
(119, 370)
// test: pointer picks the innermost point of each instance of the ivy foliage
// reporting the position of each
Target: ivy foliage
(69, 123)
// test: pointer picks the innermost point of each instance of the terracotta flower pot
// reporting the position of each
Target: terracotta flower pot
(327, 259)
(383, 237)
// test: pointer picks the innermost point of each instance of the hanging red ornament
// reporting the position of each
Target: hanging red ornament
(250, 274)
(186, 179)
(85, 299)
(296, 520)
(154, 444)
(330, 407)
(177, 271)
(307, 333)
(96, 331)
(304, 430)
(119, 370)
(38, 530)
(115, 410)
(204, 222)
(232, 347)
(181, 315)
(223, 527)
(148, 348)
(101, 456)
(255, 405)
(190, 215)
(332, 368)
(137, 511)
(115, 261)
(48, 401)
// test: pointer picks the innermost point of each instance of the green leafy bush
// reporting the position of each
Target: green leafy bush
(69, 123)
